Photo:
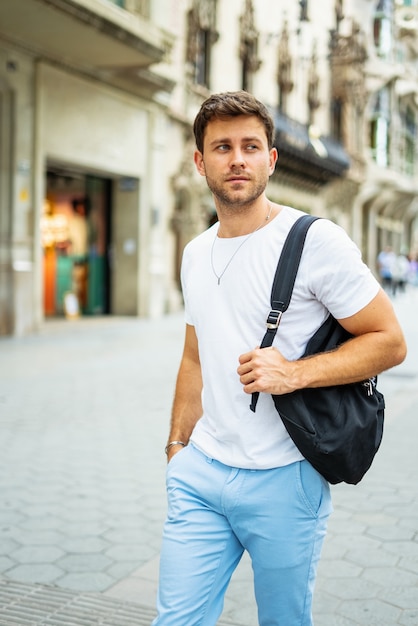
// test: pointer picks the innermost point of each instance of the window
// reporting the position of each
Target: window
(202, 61)
(337, 119)
(380, 128)
(303, 10)
(382, 28)
(246, 56)
(140, 7)
(201, 37)
(409, 132)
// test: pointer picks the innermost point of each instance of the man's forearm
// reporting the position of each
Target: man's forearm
(187, 405)
(359, 359)
(186, 412)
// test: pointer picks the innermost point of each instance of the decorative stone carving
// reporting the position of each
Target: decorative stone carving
(348, 58)
(284, 74)
(313, 84)
(348, 80)
(249, 38)
(339, 13)
(189, 193)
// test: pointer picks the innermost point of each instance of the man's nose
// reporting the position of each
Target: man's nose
(237, 158)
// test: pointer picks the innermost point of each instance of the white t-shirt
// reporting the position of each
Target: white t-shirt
(229, 320)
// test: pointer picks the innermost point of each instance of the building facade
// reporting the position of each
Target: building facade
(83, 132)
(98, 192)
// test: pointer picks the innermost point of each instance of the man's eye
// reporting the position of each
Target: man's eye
(223, 147)
(251, 147)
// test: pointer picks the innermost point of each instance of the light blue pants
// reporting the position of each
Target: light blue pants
(215, 512)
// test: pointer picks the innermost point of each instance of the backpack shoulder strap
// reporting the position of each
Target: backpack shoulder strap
(284, 280)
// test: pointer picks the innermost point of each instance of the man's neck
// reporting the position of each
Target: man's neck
(245, 222)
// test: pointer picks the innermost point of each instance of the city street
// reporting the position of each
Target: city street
(84, 413)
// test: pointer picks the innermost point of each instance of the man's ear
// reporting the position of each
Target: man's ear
(200, 165)
(274, 155)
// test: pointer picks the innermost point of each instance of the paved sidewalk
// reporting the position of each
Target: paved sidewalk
(84, 411)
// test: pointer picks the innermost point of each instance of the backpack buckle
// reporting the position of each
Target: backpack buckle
(273, 319)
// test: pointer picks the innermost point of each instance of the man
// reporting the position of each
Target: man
(235, 479)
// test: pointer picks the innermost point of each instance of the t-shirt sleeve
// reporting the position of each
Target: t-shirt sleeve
(338, 277)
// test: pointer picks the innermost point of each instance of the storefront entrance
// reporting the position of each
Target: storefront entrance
(75, 230)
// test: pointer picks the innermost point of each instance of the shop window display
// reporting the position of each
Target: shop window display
(74, 230)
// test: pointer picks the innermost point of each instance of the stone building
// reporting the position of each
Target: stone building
(342, 85)
(98, 192)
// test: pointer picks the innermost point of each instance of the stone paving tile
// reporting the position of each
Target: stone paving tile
(379, 557)
(409, 564)
(5, 564)
(84, 562)
(405, 596)
(350, 588)
(140, 586)
(409, 618)
(340, 568)
(372, 612)
(335, 620)
(391, 532)
(41, 572)
(388, 577)
(92, 580)
(37, 554)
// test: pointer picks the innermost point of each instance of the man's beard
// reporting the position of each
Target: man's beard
(231, 199)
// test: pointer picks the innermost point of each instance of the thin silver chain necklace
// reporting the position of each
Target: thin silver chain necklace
(219, 276)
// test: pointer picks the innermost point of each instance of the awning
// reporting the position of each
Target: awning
(306, 154)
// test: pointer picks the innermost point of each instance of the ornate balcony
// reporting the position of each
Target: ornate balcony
(307, 156)
(92, 34)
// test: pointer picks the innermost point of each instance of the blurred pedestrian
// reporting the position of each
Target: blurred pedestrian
(400, 272)
(413, 270)
(385, 263)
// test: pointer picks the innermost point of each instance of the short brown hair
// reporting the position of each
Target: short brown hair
(231, 104)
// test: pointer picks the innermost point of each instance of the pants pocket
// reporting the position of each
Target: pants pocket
(313, 489)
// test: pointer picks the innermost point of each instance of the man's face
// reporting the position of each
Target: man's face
(236, 160)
